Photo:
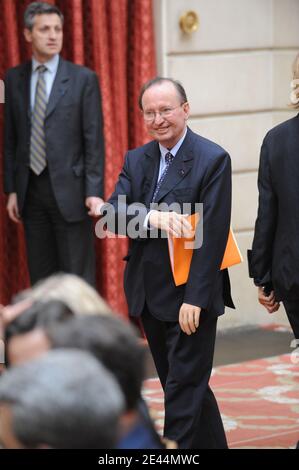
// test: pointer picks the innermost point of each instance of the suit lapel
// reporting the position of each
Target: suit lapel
(179, 168)
(150, 164)
(60, 86)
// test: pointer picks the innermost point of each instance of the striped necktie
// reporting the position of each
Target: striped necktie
(38, 142)
(168, 159)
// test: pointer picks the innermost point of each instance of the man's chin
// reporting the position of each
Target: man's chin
(51, 51)
(162, 136)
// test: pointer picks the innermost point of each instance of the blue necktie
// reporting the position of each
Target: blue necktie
(168, 159)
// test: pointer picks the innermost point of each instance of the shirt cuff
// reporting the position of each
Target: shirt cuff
(146, 225)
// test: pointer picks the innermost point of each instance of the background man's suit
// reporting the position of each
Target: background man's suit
(74, 147)
(200, 172)
(274, 259)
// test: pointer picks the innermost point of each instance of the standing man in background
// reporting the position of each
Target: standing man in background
(274, 258)
(53, 151)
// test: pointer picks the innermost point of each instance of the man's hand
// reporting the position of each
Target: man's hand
(269, 301)
(189, 318)
(12, 208)
(173, 223)
(94, 204)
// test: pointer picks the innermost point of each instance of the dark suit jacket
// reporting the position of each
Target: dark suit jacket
(74, 139)
(274, 259)
(200, 172)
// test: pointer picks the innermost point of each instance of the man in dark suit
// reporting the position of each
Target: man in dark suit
(54, 153)
(274, 258)
(178, 166)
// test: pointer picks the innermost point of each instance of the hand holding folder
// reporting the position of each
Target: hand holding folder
(180, 253)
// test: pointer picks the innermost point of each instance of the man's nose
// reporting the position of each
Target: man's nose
(158, 118)
(53, 34)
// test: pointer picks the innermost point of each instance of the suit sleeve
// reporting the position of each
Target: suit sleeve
(215, 195)
(124, 216)
(10, 139)
(93, 138)
(260, 258)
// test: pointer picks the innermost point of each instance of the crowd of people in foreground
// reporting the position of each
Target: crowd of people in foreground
(73, 372)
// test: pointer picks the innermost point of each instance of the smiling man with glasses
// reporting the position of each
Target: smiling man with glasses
(177, 166)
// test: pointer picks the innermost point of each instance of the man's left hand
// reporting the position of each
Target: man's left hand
(94, 204)
(269, 302)
(189, 318)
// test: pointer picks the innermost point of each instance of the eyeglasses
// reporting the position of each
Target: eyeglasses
(150, 116)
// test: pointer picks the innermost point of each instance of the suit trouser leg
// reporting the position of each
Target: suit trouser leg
(75, 244)
(155, 332)
(292, 311)
(192, 416)
(42, 252)
(53, 244)
(210, 436)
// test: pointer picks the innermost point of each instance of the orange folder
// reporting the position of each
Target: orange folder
(180, 253)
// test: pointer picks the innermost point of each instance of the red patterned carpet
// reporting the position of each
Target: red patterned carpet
(259, 402)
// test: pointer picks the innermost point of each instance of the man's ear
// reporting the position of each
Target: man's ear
(186, 108)
(28, 35)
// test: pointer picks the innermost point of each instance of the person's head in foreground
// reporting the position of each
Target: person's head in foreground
(63, 400)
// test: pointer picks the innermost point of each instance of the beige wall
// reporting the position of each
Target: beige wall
(236, 70)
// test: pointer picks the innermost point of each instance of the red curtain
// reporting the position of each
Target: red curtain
(115, 38)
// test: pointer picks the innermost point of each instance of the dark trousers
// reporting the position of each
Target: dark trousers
(184, 365)
(54, 245)
(292, 311)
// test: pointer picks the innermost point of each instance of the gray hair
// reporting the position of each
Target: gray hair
(40, 8)
(65, 400)
(158, 81)
(73, 291)
(294, 96)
